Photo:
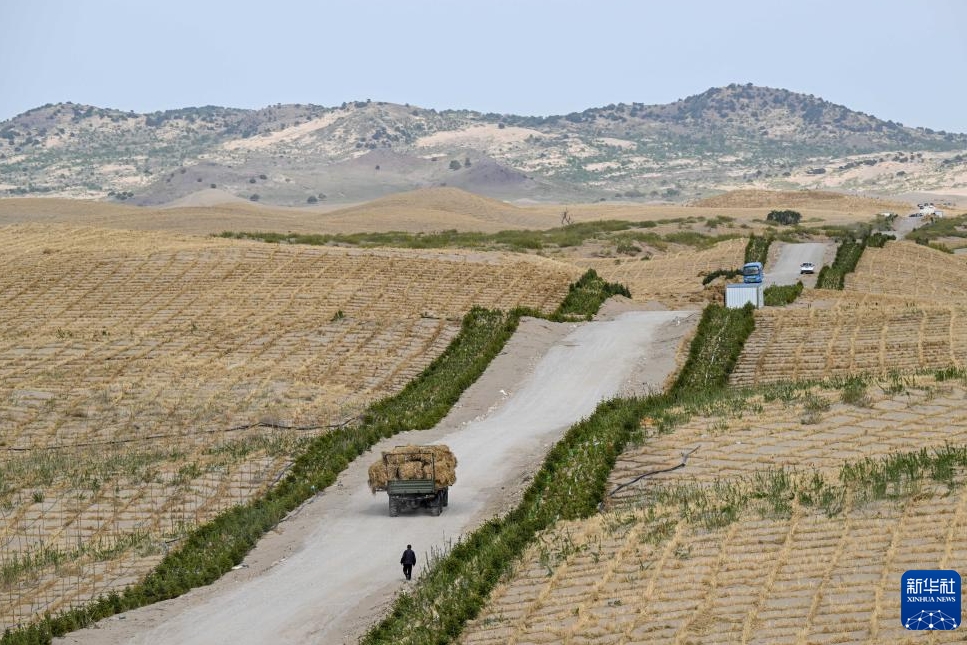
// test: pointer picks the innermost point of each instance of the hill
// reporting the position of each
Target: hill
(735, 136)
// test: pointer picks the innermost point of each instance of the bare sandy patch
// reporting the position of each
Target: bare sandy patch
(483, 135)
(269, 139)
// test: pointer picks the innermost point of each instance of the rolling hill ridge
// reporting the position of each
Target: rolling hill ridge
(723, 138)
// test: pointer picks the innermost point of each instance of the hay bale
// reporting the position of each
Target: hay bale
(411, 470)
(378, 476)
(415, 462)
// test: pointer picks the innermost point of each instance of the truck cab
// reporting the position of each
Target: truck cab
(752, 272)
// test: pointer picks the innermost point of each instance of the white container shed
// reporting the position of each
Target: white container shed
(738, 295)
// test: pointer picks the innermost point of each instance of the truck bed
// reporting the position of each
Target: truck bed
(411, 487)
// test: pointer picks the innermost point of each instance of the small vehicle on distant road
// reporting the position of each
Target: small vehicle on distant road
(807, 267)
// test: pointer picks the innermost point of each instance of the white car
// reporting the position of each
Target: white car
(807, 267)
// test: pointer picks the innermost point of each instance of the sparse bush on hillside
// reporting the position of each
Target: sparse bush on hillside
(254, 197)
(312, 199)
(455, 165)
(786, 217)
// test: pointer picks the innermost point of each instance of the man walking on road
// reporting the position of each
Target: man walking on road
(408, 560)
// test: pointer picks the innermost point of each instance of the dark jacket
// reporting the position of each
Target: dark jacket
(409, 557)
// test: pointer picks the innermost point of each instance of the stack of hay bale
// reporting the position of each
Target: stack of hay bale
(414, 462)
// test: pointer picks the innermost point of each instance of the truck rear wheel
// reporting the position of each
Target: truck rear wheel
(394, 508)
(446, 496)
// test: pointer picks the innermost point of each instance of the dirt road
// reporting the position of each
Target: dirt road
(785, 269)
(332, 568)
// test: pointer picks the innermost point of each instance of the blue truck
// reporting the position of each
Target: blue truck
(752, 272)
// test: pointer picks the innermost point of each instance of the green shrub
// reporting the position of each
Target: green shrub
(786, 217)
(778, 295)
(585, 297)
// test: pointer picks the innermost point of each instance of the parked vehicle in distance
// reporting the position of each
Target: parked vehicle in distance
(807, 267)
(752, 272)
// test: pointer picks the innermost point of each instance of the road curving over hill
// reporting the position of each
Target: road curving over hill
(331, 569)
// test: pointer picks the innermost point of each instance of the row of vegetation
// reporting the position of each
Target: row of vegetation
(848, 255)
(757, 249)
(718, 341)
(586, 296)
(779, 295)
(570, 485)
(214, 548)
(624, 234)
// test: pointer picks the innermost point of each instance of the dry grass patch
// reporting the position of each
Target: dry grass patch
(650, 577)
(910, 270)
(802, 199)
(832, 334)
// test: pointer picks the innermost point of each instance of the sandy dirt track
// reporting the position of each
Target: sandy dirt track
(330, 569)
(785, 269)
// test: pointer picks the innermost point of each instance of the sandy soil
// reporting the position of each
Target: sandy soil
(330, 570)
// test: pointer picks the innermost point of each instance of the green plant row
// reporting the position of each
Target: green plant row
(212, 549)
(778, 295)
(848, 255)
(586, 296)
(718, 341)
(512, 240)
(878, 240)
(570, 485)
(757, 248)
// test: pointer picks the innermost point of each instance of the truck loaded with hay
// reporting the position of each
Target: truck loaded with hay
(414, 477)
